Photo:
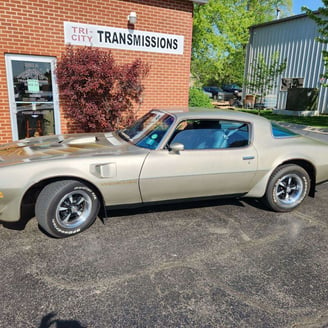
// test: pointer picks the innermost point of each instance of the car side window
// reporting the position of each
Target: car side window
(237, 133)
(211, 134)
(282, 132)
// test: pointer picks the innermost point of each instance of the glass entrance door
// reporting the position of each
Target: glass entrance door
(33, 96)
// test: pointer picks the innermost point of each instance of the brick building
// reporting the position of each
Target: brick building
(34, 34)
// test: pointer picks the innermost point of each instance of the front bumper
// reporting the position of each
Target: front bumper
(10, 201)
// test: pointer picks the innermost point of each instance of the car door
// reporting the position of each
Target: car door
(215, 161)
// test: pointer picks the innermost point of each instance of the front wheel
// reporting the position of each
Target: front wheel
(65, 208)
(287, 188)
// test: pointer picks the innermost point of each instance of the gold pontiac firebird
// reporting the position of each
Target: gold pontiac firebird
(164, 156)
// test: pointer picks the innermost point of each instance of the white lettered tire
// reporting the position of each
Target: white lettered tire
(287, 188)
(65, 208)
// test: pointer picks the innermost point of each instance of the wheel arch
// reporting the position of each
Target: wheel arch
(309, 168)
(31, 194)
(260, 187)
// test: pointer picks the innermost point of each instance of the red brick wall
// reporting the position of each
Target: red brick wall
(35, 27)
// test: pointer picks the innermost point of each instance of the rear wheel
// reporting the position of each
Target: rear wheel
(288, 187)
(65, 208)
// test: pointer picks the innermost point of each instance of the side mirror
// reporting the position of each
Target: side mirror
(176, 147)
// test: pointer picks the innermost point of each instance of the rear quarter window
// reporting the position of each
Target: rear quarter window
(282, 132)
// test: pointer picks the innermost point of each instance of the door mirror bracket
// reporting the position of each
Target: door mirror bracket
(176, 147)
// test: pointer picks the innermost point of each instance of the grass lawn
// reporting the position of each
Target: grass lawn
(315, 121)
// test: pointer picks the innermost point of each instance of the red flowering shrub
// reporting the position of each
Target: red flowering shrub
(99, 94)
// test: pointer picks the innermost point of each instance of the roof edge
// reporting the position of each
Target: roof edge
(284, 19)
(201, 2)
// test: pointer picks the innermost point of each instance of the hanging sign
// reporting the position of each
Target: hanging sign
(33, 86)
(120, 38)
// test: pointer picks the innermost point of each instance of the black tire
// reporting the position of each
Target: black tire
(65, 208)
(287, 188)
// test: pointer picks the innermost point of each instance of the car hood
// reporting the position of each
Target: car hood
(62, 146)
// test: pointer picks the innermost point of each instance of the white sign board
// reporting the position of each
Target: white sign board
(120, 38)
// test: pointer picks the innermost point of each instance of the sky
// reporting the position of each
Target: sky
(311, 4)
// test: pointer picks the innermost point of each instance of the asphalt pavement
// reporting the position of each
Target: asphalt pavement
(224, 263)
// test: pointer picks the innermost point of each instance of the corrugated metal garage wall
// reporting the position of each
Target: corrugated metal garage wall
(294, 39)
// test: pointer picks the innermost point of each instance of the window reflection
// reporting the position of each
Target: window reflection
(32, 81)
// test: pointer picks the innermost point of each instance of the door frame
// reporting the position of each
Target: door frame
(11, 94)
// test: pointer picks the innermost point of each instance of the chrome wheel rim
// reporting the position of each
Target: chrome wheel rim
(288, 190)
(73, 209)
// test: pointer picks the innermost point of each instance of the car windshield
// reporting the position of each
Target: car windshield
(149, 130)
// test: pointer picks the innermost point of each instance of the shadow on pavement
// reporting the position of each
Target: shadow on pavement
(28, 212)
(175, 206)
(47, 322)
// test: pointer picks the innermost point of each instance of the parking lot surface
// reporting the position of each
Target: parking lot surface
(225, 263)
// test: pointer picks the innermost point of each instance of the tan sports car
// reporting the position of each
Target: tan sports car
(164, 156)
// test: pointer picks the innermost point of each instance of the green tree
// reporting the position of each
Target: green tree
(221, 33)
(322, 21)
(263, 74)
